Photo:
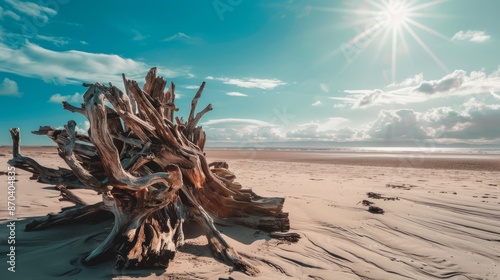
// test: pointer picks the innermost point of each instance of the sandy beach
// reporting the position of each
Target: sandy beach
(440, 220)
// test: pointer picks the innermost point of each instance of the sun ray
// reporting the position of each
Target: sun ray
(403, 39)
(381, 43)
(382, 6)
(388, 22)
(411, 3)
(425, 28)
(426, 48)
(429, 15)
(346, 11)
(426, 5)
(366, 33)
(354, 23)
(356, 55)
(354, 43)
(391, 21)
(393, 55)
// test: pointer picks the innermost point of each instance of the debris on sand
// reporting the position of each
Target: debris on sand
(375, 210)
(400, 186)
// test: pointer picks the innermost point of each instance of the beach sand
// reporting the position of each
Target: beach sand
(441, 220)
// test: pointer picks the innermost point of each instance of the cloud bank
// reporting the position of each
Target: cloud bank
(416, 89)
(9, 87)
(475, 36)
(475, 122)
(266, 84)
(72, 66)
(75, 98)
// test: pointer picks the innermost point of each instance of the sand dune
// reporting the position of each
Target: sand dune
(444, 226)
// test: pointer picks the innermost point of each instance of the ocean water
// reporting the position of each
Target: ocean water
(426, 150)
(427, 147)
(385, 150)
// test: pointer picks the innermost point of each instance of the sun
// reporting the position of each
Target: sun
(396, 14)
(390, 23)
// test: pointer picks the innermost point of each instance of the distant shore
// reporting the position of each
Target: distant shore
(486, 162)
(432, 160)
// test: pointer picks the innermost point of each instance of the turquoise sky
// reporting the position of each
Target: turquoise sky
(365, 71)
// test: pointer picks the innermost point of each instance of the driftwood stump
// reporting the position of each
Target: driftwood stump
(152, 174)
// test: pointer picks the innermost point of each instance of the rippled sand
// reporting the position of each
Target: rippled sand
(440, 221)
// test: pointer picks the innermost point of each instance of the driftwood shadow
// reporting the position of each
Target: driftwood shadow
(69, 243)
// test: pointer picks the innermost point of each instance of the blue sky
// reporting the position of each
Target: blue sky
(359, 71)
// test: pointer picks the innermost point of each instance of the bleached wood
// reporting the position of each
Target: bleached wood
(151, 172)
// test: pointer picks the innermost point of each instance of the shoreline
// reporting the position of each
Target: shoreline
(425, 160)
(480, 162)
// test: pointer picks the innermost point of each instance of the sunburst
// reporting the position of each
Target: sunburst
(389, 22)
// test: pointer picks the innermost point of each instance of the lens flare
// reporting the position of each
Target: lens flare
(388, 22)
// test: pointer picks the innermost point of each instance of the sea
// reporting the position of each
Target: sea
(368, 149)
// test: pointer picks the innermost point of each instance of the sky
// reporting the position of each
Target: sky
(359, 72)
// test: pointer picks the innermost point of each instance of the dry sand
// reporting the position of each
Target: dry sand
(446, 225)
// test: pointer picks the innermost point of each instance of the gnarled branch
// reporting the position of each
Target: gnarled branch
(152, 175)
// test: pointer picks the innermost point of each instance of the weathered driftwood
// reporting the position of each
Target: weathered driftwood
(152, 174)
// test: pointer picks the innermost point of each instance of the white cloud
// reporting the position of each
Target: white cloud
(333, 129)
(252, 129)
(448, 83)
(367, 98)
(412, 81)
(85, 129)
(266, 84)
(209, 78)
(311, 133)
(317, 103)
(232, 121)
(192, 87)
(72, 66)
(245, 133)
(75, 98)
(7, 13)
(475, 121)
(138, 36)
(177, 36)
(80, 128)
(496, 96)
(58, 41)
(183, 37)
(457, 83)
(242, 129)
(83, 42)
(396, 125)
(235, 93)
(324, 87)
(32, 9)
(9, 87)
(439, 121)
(348, 99)
(471, 36)
(329, 124)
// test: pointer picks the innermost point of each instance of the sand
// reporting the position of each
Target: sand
(443, 223)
